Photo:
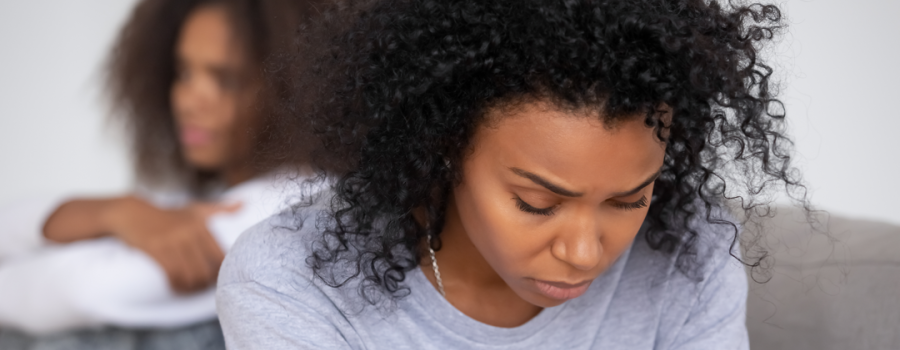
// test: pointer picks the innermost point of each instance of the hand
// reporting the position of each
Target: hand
(176, 239)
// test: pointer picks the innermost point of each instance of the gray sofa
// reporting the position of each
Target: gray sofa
(833, 290)
(203, 336)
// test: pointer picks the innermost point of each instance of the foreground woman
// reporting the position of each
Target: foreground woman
(520, 174)
(187, 78)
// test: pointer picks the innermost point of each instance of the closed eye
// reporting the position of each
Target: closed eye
(640, 203)
(528, 208)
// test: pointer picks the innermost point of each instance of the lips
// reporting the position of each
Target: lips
(193, 136)
(562, 290)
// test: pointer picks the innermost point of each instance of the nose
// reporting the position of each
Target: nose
(579, 245)
(191, 95)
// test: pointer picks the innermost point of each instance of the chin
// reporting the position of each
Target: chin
(539, 300)
(202, 161)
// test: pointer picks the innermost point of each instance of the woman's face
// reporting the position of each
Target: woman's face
(211, 93)
(551, 198)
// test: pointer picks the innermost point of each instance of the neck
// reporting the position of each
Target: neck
(470, 283)
(462, 258)
(237, 174)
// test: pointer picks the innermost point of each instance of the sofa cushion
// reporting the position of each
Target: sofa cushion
(835, 286)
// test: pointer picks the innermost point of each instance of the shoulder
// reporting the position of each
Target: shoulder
(700, 303)
(712, 252)
(713, 243)
(267, 294)
(274, 253)
(273, 250)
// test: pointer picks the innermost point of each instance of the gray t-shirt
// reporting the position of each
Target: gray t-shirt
(268, 299)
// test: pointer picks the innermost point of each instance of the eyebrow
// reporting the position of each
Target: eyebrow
(568, 193)
(641, 186)
(546, 184)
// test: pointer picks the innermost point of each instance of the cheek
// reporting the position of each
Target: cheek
(496, 228)
(224, 115)
(618, 230)
(230, 133)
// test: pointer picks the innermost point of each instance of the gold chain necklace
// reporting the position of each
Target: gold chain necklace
(437, 272)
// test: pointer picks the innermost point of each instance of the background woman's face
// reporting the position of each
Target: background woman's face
(210, 95)
(552, 198)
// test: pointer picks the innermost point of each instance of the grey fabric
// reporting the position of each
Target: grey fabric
(268, 298)
(831, 287)
(204, 336)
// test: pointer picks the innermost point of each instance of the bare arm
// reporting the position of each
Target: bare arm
(80, 219)
(176, 239)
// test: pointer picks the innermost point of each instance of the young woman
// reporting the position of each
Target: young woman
(186, 77)
(520, 174)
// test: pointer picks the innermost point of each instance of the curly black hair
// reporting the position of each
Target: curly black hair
(403, 84)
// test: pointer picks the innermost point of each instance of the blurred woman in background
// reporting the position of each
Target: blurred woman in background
(186, 79)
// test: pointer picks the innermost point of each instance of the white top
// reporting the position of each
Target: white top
(46, 287)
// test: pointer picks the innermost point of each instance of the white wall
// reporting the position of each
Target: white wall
(53, 121)
(839, 62)
(841, 67)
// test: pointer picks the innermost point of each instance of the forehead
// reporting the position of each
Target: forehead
(575, 147)
(207, 35)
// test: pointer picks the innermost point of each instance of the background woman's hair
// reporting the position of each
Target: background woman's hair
(404, 84)
(142, 70)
